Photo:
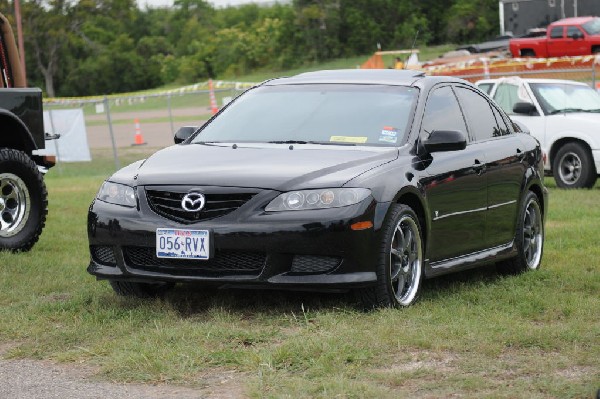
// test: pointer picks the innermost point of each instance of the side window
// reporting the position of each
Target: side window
(502, 127)
(479, 114)
(485, 87)
(506, 96)
(442, 112)
(556, 32)
(573, 31)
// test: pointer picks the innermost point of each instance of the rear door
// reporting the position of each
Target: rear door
(578, 44)
(504, 168)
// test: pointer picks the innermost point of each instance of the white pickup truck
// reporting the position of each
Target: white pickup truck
(563, 115)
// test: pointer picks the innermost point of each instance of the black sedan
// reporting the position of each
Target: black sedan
(331, 180)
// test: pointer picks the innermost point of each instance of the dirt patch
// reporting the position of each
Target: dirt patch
(30, 379)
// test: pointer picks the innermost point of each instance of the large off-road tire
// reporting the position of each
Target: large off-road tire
(400, 265)
(140, 290)
(573, 167)
(23, 201)
(529, 238)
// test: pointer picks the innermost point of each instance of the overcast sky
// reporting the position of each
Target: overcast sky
(218, 3)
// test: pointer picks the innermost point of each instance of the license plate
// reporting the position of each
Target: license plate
(182, 244)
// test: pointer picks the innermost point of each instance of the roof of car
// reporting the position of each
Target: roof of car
(573, 21)
(404, 77)
(531, 80)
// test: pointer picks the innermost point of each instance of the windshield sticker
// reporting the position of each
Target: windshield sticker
(389, 134)
(348, 139)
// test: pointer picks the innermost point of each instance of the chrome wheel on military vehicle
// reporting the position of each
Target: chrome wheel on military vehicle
(14, 204)
(23, 201)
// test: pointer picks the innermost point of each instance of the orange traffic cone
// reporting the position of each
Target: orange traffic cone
(138, 139)
(213, 101)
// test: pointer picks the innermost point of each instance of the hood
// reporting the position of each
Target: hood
(266, 166)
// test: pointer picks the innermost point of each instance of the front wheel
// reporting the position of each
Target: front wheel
(400, 265)
(573, 167)
(529, 238)
(23, 201)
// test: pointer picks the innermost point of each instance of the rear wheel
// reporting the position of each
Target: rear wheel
(400, 265)
(529, 238)
(140, 290)
(573, 167)
(23, 201)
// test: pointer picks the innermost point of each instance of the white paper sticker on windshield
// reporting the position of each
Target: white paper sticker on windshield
(348, 139)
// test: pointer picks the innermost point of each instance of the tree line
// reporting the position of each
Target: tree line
(88, 47)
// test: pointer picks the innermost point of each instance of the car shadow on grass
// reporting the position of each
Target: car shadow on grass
(190, 299)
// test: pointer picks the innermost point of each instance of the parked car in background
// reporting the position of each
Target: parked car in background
(565, 37)
(563, 115)
(367, 180)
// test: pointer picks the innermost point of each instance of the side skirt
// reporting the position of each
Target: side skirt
(470, 261)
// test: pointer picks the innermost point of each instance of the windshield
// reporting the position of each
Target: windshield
(562, 97)
(322, 114)
(592, 27)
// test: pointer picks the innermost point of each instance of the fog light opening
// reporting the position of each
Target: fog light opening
(361, 225)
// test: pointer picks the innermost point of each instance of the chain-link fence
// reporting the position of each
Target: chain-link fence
(110, 121)
(582, 68)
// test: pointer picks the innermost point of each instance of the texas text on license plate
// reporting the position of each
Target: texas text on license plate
(182, 244)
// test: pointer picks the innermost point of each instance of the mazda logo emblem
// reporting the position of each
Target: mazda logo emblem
(193, 202)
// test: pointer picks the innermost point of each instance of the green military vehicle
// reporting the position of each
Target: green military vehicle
(23, 195)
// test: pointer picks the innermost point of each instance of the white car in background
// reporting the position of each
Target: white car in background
(563, 115)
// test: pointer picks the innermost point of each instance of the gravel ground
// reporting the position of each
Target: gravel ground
(34, 379)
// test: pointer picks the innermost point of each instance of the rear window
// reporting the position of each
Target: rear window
(324, 113)
(592, 27)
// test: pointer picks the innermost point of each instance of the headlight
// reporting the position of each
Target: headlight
(118, 194)
(317, 199)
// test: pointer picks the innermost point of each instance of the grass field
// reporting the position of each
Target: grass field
(473, 334)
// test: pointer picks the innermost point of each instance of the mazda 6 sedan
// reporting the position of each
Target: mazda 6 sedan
(362, 180)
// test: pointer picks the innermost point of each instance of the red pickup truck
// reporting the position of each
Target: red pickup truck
(565, 37)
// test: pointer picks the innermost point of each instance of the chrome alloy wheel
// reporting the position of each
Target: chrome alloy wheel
(14, 204)
(570, 168)
(406, 260)
(533, 235)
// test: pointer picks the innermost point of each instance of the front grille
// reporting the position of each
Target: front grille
(314, 264)
(223, 261)
(168, 204)
(103, 255)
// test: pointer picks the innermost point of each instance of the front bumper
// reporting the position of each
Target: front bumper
(314, 249)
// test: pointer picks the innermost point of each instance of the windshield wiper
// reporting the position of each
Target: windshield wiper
(309, 142)
(288, 142)
(566, 110)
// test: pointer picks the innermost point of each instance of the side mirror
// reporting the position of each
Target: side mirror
(577, 36)
(445, 140)
(525, 109)
(184, 133)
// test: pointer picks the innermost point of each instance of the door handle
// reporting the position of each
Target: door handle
(479, 167)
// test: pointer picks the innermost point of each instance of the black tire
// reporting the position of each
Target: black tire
(573, 167)
(399, 272)
(140, 290)
(23, 201)
(529, 238)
